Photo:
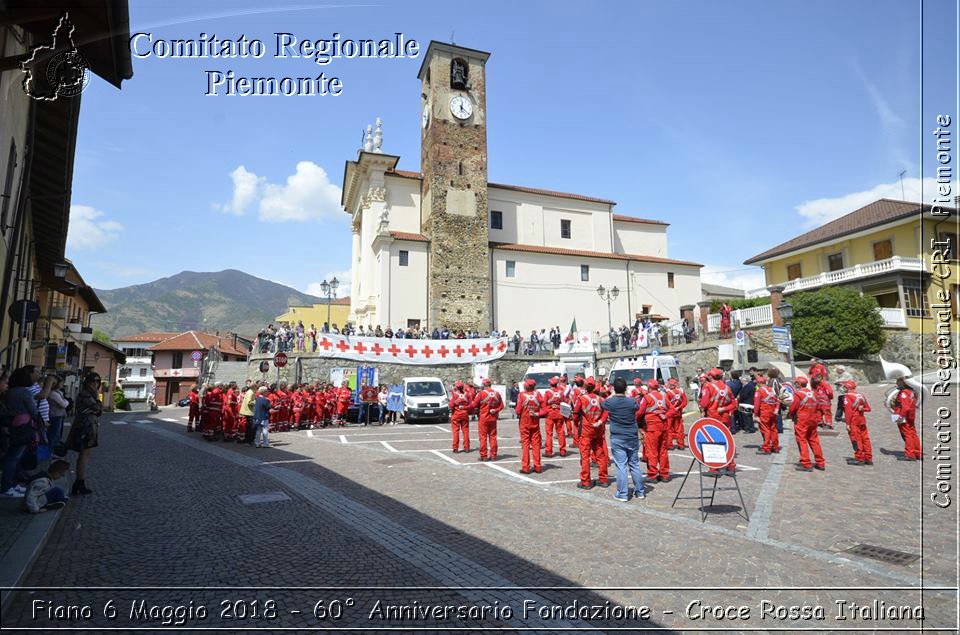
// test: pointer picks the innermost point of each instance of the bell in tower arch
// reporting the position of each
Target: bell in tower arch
(458, 74)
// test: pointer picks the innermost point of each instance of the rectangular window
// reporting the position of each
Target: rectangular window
(584, 273)
(5, 204)
(793, 271)
(177, 359)
(669, 279)
(564, 228)
(835, 262)
(143, 372)
(404, 258)
(511, 268)
(915, 296)
(948, 245)
(496, 220)
(413, 324)
(883, 249)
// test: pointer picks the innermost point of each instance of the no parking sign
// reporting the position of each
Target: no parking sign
(711, 443)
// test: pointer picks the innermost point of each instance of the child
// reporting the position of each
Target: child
(41, 493)
(261, 418)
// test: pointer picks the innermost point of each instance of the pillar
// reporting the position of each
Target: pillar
(776, 298)
(704, 312)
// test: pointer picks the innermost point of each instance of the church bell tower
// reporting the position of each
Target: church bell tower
(453, 208)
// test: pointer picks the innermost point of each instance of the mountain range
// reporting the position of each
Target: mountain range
(228, 300)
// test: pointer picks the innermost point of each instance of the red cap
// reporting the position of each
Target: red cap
(458, 384)
(487, 382)
(653, 384)
(849, 384)
(761, 379)
(716, 373)
(530, 384)
(554, 381)
(591, 383)
(637, 381)
(673, 381)
(800, 381)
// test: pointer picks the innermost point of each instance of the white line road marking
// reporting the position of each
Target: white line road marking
(310, 433)
(389, 447)
(516, 475)
(568, 480)
(172, 420)
(442, 428)
(445, 457)
(547, 460)
(144, 421)
(343, 438)
(121, 422)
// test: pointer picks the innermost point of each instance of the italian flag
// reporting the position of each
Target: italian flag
(572, 335)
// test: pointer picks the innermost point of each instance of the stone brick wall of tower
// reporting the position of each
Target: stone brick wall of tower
(455, 158)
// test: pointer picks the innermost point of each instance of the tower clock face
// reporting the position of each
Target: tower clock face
(461, 107)
(425, 116)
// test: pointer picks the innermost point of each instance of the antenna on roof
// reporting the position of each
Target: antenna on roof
(903, 196)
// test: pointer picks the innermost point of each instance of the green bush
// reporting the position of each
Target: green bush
(836, 322)
(738, 303)
(120, 402)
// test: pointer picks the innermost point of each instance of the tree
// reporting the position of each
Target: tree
(836, 322)
(102, 337)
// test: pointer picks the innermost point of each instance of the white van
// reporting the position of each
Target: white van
(425, 399)
(659, 367)
(541, 373)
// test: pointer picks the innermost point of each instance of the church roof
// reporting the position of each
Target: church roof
(409, 236)
(635, 219)
(591, 254)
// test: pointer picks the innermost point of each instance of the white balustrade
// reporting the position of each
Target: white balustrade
(896, 263)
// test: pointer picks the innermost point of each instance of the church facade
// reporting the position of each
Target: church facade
(445, 247)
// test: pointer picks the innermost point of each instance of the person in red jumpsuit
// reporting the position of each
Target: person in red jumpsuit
(854, 405)
(320, 406)
(637, 391)
(460, 417)
(529, 409)
(344, 397)
(489, 404)
(470, 391)
(824, 394)
(194, 413)
(296, 403)
(766, 405)
(552, 399)
(576, 391)
(905, 410)
(272, 397)
(817, 369)
(593, 419)
(806, 415)
(229, 414)
(308, 420)
(718, 402)
(725, 311)
(331, 408)
(212, 412)
(677, 397)
(567, 391)
(655, 415)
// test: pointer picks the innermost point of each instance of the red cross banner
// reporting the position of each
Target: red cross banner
(411, 351)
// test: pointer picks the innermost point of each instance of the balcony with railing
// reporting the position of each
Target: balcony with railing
(743, 318)
(897, 264)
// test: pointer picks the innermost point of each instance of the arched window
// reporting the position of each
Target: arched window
(459, 72)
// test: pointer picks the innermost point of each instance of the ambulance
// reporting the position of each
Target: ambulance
(541, 372)
(659, 367)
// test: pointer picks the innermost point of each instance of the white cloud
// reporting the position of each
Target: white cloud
(823, 210)
(343, 289)
(89, 230)
(739, 277)
(246, 189)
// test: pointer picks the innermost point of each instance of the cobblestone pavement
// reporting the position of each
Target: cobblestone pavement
(392, 507)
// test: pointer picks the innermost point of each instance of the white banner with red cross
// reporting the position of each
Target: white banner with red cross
(411, 351)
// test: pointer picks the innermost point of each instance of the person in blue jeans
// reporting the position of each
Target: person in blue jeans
(261, 418)
(624, 440)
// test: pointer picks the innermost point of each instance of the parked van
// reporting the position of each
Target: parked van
(659, 367)
(425, 399)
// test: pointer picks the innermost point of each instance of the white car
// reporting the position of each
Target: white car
(425, 399)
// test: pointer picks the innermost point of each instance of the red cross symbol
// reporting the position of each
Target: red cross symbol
(325, 344)
(443, 350)
(427, 351)
(488, 349)
(410, 350)
(360, 348)
(473, 350)
(377, 348)
(343, 346)
(393, 350)
(502, 346)
(459, 350)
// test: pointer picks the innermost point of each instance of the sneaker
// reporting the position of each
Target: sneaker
(603, 484)
(13, 492)
(55, 505)
(639, 496)
(582, 486)
(625, 499)
(820, 467)
(801, 468)
(20, 488)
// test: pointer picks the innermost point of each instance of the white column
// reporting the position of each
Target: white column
(355, 273)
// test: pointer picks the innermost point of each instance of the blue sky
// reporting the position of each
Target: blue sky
(742, 123)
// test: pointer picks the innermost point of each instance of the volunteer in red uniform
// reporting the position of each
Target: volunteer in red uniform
(806, 415)
(460, 417)
(489, 404)
(905, 409)
(194, 413)
(817, 369)
(637, 391)
(824, 394)
(766, 405)
(567, 391)
(552, 399)
(212, 412)
(320, 406)
(576, 391)
(677, 397)
(655, 414)
(593, 429)
(230, 414)
(470, 391)
(344, 397)
(854, 405)
(718, 402)
(529, 409)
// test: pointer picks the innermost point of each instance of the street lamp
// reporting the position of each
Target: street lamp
(786, 313)
(330, 291)
(608, 295)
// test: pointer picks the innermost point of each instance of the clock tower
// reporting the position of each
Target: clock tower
(453, 190)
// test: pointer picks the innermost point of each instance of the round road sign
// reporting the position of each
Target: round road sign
(196, 356)
(264, 366)
(741, 338)
(280, 360)
(711, 443)
(26, 310)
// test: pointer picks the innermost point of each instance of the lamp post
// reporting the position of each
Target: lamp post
(608, 295)
(330, 291)
(786, 312)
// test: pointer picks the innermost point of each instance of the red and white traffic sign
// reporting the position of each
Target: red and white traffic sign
(280, 360)
(711, 443)
(196, 356)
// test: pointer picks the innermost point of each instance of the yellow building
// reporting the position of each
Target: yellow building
(317, 314)
(882, 250)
